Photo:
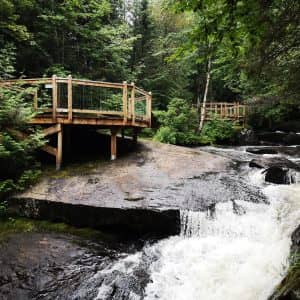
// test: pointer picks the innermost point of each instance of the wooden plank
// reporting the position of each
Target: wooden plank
(132, 96)
(98, 83)
(59, 149)
(148, 109)
(124, 98)
(45, 110)
(143, 98)
(54, 97)
(113, 144)
(99, 112)
(133, 110)
(70, 98)
(51, 130)
(25, 81)
(49, 149)
(85, 121)
(141, 91)
(35, 100)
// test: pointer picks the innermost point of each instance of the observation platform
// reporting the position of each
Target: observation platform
(63, 102)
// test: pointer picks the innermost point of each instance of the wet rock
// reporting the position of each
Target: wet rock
(268, 162)
(247, 137)
(238, 209)
(262, 150)
(289, 126)
(279, 138)
(134, 197)
(279, 175)
(296, 240)
(289, 288)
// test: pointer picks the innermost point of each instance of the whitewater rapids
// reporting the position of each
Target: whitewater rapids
(240, 250)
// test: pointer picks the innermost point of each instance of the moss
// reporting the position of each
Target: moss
(9, 226)
(289, 288)
(73, 169)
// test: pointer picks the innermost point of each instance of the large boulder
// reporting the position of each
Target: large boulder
(296, 240)
(280, 175)
(289, 126)
(278, 138)
(268, 162)
(278, 170)
(289, 288)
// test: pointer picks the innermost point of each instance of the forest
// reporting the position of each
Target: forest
(186, 53)
(202, 207)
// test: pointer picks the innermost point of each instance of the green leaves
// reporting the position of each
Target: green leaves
(16, 148)
(178, 124)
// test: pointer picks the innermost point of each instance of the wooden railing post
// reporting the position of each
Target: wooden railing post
(113, 143)
(59, 151)
(148, 107)
(70, 99)
(35, 99)
(132, 99)
(125, 100)
(54, 97)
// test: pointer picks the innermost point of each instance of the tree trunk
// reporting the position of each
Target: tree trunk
(203, 111)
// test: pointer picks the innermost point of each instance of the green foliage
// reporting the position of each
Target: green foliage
(88, 38)
(166, 134)
(16, 150)
(178, 124)
(266, 115)
(218, 131)
(253, 53)
(7, 60)
(291, 283)
(3, 209)
(147, 133)
(9, 225)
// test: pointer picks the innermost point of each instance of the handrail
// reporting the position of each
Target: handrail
(225, 110)
(132, 98)
(65, 80)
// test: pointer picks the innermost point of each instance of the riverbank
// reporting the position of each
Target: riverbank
(140, 192)
(233, 227)
(289, 288)
(44, 260)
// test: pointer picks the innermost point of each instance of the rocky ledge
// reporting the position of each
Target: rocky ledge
(277, 170)
(141, 191)
(289, 288)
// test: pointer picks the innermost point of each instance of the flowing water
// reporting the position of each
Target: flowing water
(235, 249)
(238, 250)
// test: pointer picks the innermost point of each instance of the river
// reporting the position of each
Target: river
(237, 249)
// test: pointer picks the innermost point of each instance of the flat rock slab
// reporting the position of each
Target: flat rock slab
(141, 193)
(153, 177)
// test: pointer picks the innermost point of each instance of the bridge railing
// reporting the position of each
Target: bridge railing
(225, 110)
(69, 97)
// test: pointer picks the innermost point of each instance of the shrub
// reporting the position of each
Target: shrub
(178, 124)
(18, 166)
(266, 116)
(219, 131)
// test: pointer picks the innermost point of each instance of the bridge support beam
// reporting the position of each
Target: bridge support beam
(59, 148)
(113, 143)
(57, 152)
(135, 132)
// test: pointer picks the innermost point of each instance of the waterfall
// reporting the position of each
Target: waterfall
(235, 250)
(225, 255)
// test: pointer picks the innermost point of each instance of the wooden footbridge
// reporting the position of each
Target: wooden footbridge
(231, 111)
(66, 101)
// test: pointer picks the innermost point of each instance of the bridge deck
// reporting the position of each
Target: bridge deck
(60, 101)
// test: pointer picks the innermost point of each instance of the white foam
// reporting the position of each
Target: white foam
(225, 257)
(231, 257)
